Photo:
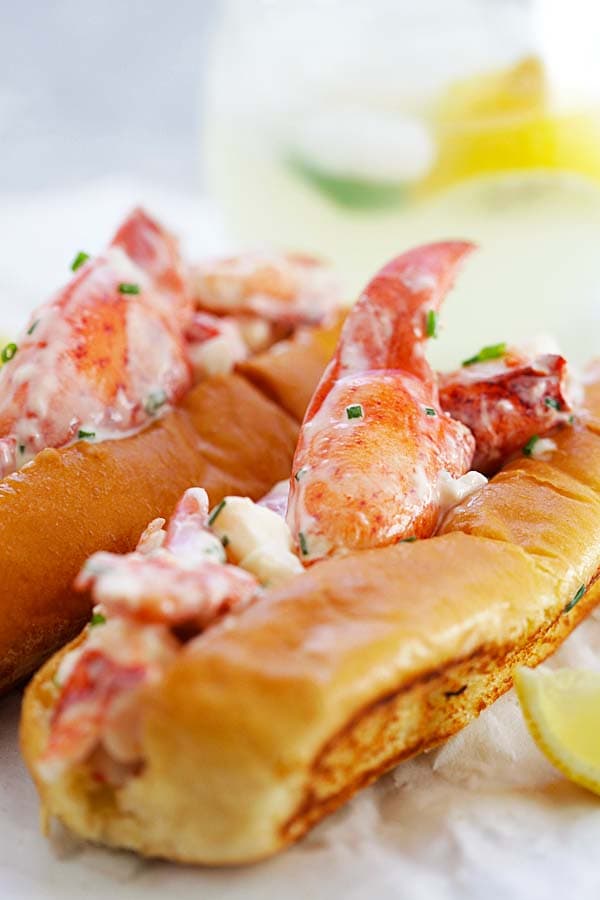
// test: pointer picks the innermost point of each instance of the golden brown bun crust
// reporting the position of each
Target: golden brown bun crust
(272, 719)
(71, 502)
(290, 375)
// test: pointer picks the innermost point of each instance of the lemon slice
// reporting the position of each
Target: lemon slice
(503, 121)
(562, 711)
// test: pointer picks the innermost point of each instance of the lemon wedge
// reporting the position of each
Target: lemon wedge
(503, 121)
(562, 711)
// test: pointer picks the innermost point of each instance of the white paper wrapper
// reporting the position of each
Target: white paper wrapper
(483, 817)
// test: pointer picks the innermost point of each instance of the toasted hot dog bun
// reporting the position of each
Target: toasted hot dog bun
(272, 719)
(290, 373)
(70, 502)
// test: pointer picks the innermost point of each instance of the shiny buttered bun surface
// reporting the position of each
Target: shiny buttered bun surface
(67, 503)
(273, 718)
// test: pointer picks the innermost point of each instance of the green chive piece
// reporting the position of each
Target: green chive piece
(303, 544)
(431, 324)
(79, 260)
(300, 473)
(409, 540)
(571, 420)
(97, 619)
(552, 403)
(225, 540)
(575, 599)
(82, 435)
(128, 288)
(430, 411)
(8, 352)
(492, 351)
(528, 448)
(154, 402)
(21, 449)
(32, 327)
(215, 512)
(355, 411)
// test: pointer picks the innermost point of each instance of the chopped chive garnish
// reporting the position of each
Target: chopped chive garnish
(431, 324)
(492, 351)
(409, 540)
(21, 449)
(82, 435)
(571, 419)
(430, 411)
(154, 402)
(8, 352)
(97, 619)
(225, 540)
(216, 512)
(127, 287)
(303, 544)
(552, 403)
(300, 473)
(33, 326)
(528, 448)
(79, 260)
(355, 411)
(575, 599)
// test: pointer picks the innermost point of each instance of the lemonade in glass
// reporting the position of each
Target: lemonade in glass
(355, 130)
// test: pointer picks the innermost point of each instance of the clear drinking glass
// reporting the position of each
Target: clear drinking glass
(356, 129)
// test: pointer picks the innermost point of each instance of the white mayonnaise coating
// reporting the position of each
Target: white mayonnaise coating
(125, 268)
(218, 355)
(543, 448)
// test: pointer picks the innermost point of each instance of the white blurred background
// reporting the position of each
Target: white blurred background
(95, 89)
(352, 129)
(99, 111)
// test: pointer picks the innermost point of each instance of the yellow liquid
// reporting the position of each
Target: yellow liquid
(537, 270)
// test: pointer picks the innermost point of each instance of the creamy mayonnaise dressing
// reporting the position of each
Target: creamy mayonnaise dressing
(220, 354)
(418, 280)
(543, 448)
(125, 268)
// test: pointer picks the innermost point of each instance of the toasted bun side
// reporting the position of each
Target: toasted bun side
(272, 719)
(246, 749)
(418, 718)
(290, 372)
(68, 503)
(235, 732)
